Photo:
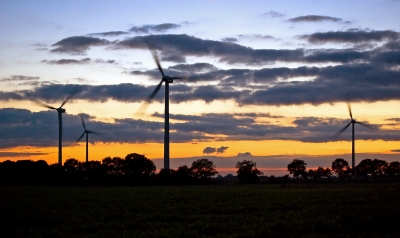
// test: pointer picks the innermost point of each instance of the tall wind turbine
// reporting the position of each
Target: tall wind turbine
(167, 80)
(87, 132)
(352, 122)
(60, 111)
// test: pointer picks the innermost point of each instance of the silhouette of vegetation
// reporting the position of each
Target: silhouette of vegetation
(320, 172)
(136, 169)
(203, 169)
(393, 169)
(247, 171)
(341, 168)
(297, 167)
(371, 167)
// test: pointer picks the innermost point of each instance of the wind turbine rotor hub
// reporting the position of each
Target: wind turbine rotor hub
(168, 79)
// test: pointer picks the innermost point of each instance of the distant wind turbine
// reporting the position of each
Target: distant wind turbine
(87, 132)
(352, 122)
(60, 110)
(167, 80)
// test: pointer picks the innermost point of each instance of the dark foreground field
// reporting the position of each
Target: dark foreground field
(201, 211)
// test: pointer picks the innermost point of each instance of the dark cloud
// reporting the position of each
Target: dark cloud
(154, 28)
(103, 61)
(197, 68)
(211, 150)
(397, 150)
(68, 61)
(273, 14)
(393, 119)
(340, 56)
(81, 61)
(110, 33)
(176, 58)
(222, 149)
(227, 52)
(19, 78)
(20, 127)
(351, 36)
(77, 45)
(269, 86)
(314, 18)
(21, 154)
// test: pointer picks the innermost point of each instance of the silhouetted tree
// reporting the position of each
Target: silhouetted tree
(375, 167)
(320, 172)
(247, 171)
(393, 168)
(113, 167)
(138, 168)
(340, 167)
(297, 167)
(203, 169)
(184, 175)
(93, 169)
(72, 166)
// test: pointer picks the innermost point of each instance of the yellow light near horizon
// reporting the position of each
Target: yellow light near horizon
(187, 150)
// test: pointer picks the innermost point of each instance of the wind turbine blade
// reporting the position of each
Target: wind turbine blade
(44, 105)
(366, 125)
(73, 92)
(94, 132)
(178, 77)
(154, 92)
(155, 57)
(142, 109)
(80, 137)
(83, 123)
(340, 132)
(153, 51)
(349, 107)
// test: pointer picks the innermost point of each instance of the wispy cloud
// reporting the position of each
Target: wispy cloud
(77, 45)
(18, 78)
(273, 14)
(314, 18)
(154, 28)
(351, 36)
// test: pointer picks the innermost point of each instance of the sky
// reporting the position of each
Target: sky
(267, 81)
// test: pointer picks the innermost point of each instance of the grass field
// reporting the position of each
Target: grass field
(202, 211)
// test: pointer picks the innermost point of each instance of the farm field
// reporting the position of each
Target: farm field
(355, 210)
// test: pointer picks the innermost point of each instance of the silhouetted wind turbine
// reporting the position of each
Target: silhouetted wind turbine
(87, 132)
(352, 122)
(60, 110)
(167, 80)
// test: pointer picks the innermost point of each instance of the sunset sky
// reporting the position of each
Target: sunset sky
(267, 81)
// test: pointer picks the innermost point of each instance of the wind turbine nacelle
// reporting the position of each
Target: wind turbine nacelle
(62, 110)
(168, 79)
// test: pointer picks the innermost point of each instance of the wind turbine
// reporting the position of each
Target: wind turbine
(352, 122)
(60, 111)
(167, 80)
(87, 132)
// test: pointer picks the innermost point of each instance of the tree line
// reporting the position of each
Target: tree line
(136, 169)
(340, 168)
